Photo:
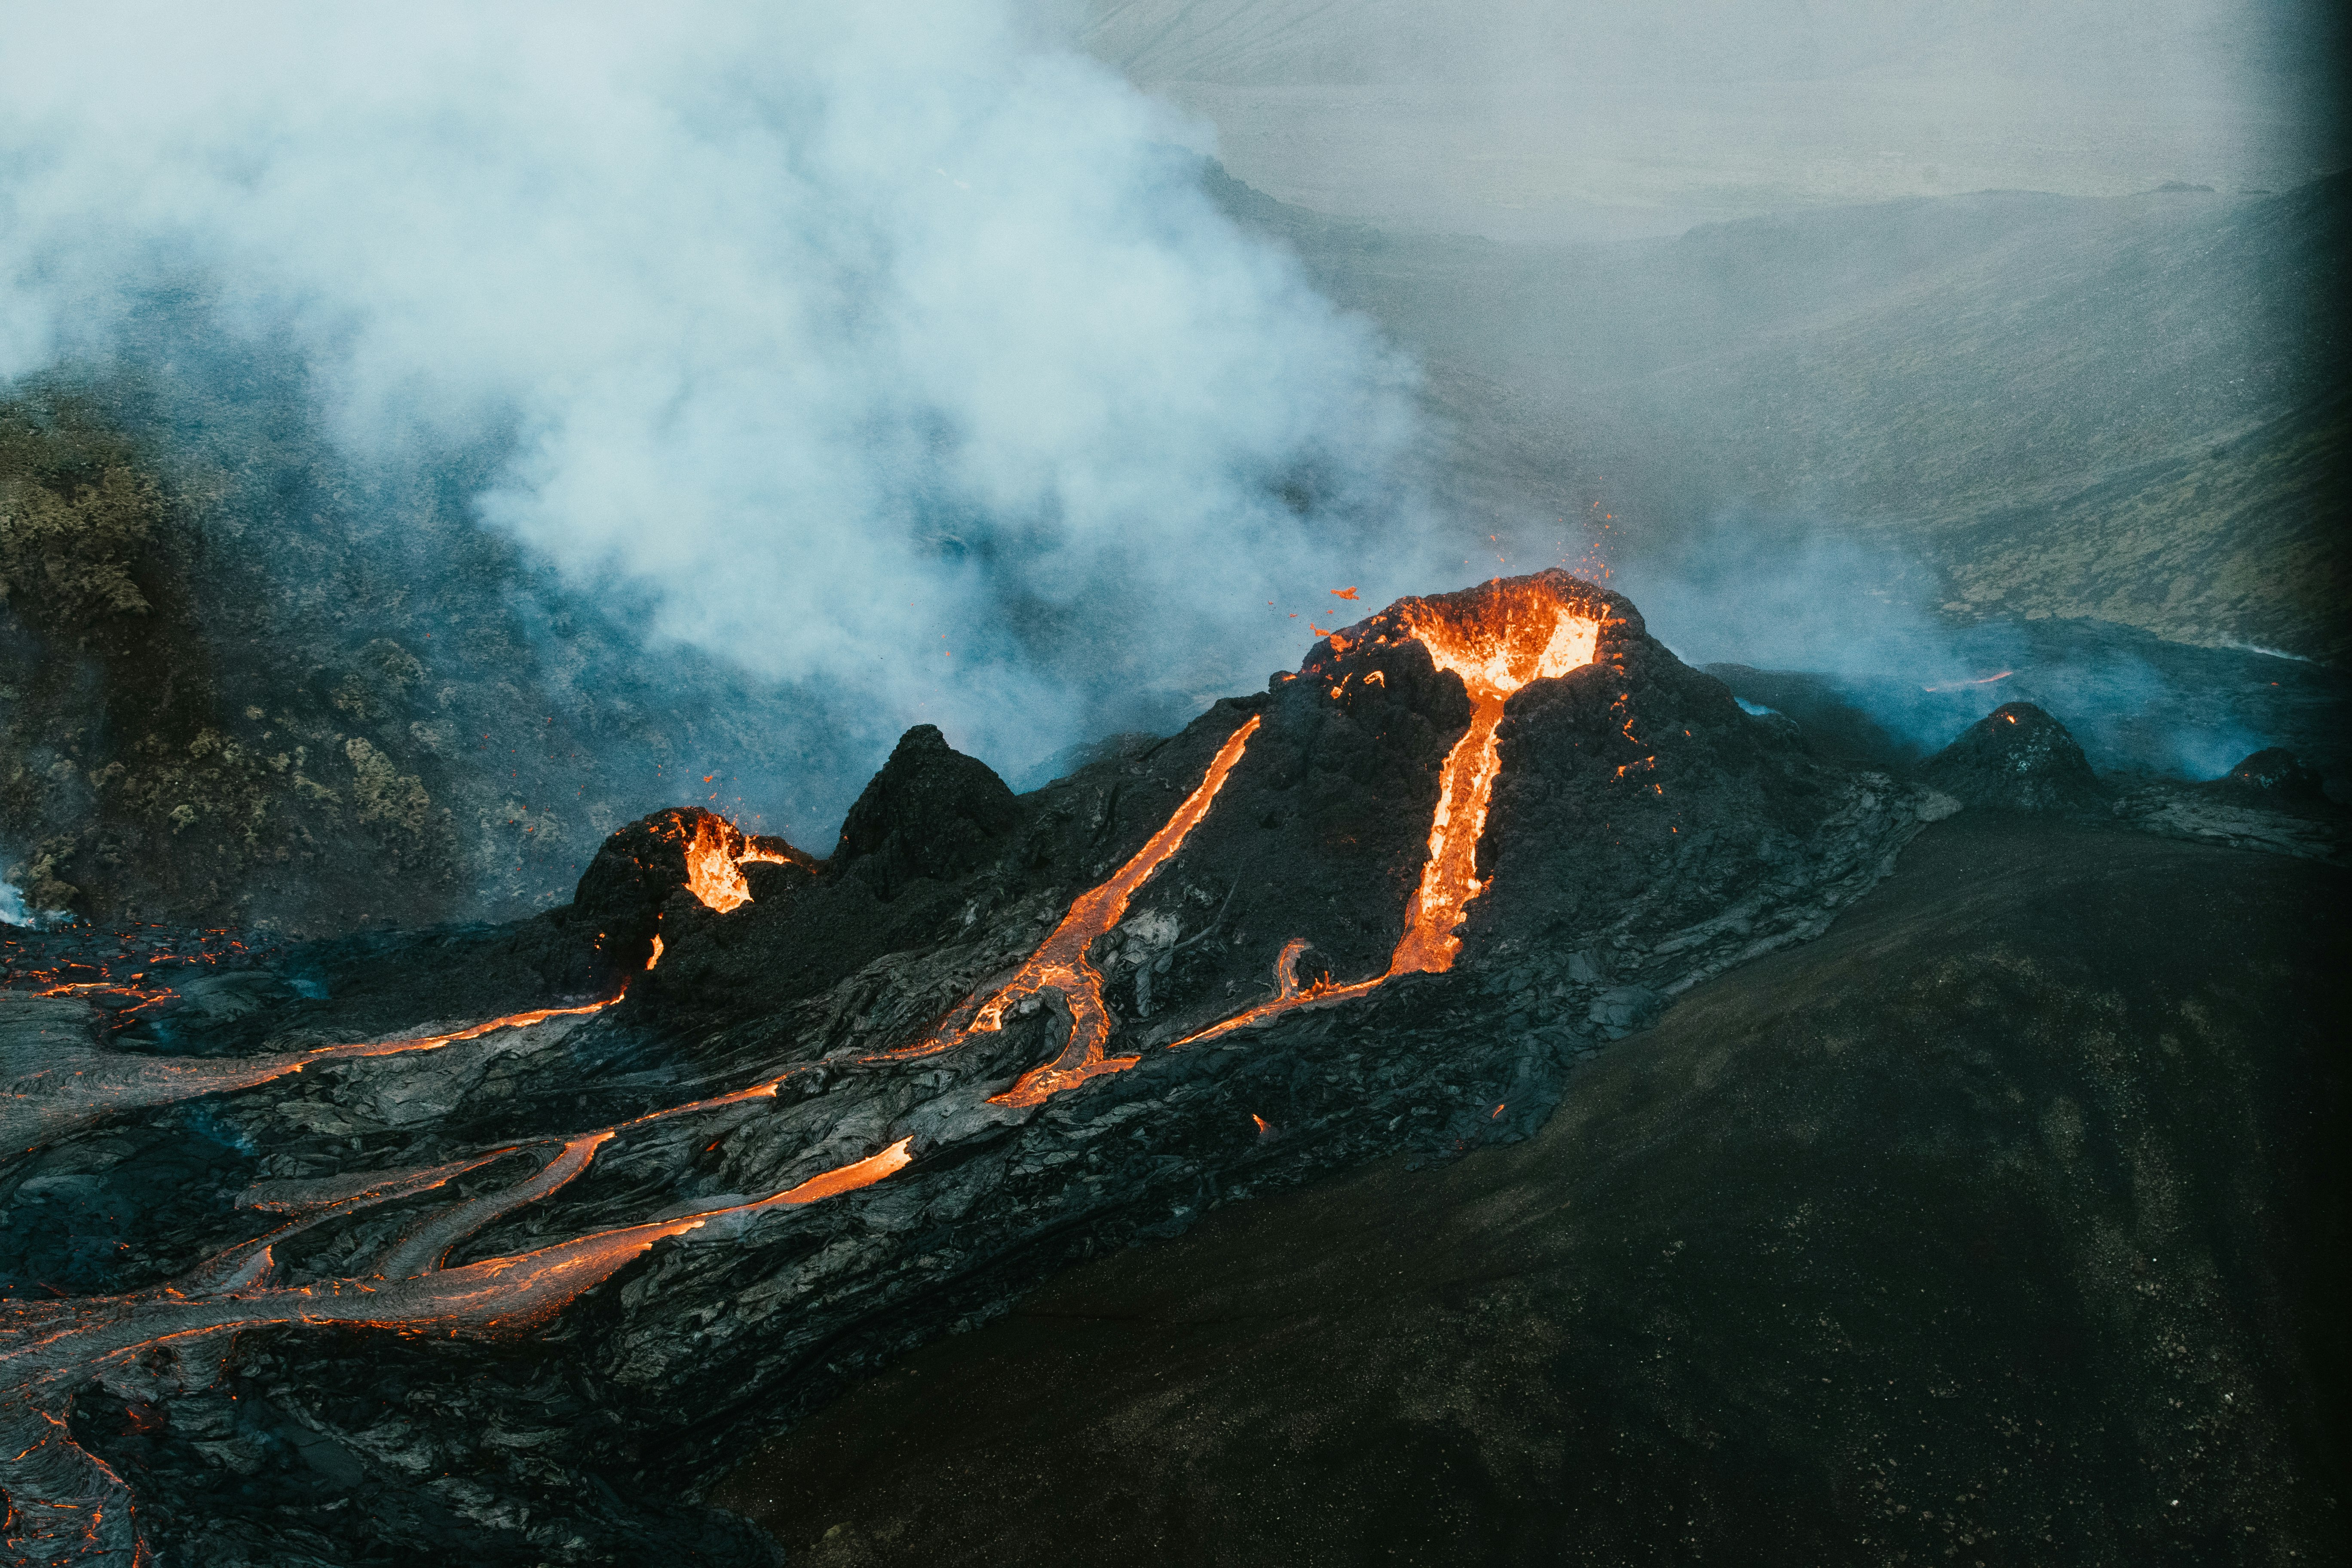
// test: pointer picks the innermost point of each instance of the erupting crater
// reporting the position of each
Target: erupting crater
(1497, 637)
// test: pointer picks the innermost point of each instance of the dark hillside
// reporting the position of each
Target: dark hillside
(247, 680)
(2005, 1224)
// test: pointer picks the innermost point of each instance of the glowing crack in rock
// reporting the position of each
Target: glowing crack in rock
(1060, 964)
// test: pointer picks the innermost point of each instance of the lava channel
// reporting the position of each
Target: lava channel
(65, 1504)
(1060, 964)
(75, 1083)
(1497, 639)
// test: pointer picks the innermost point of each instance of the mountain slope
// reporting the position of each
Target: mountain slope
(2004, 1224)
(2124, 409)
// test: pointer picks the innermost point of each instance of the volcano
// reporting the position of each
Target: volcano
(496, 1240)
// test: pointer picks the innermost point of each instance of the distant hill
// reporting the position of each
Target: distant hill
(2126, 409)
(1574, 123)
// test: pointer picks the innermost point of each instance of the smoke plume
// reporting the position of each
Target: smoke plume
(893, 346)
(1786, 594)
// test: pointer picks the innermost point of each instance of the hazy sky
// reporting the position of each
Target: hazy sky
(1545, 120)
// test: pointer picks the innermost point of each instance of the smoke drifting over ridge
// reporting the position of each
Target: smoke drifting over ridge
(892, 345)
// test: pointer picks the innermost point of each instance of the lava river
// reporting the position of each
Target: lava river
(1496, 638)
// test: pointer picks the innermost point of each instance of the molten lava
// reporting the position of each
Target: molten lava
(53, 1493)
(715, 856)
(1495, 647)
(1061, 964)
(48, 1350)
(1496, 640)
(714, 872)
(74, 1084)
(1960, 685)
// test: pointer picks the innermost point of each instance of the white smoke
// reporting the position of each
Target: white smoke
(890, 343)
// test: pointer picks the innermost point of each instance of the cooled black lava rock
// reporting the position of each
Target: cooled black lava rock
(931, 811)
(2016, 758)
(1668, 837)
(2274, 776)
(2001, 1225)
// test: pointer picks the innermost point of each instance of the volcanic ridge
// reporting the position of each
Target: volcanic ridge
(740, 1123)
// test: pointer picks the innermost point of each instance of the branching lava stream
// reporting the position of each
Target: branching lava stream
(1061, 964)
(1515, 632)
(1496, 638)
(62, 1503)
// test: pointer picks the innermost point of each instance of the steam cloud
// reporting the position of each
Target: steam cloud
(1780, 594)
(892, 344)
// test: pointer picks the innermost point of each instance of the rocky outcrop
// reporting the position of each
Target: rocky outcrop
(2017, 758)
(2274, 776)
(931, 811)
(2270, 803)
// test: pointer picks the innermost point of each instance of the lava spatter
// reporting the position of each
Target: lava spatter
(715, 858)
(1060, 964)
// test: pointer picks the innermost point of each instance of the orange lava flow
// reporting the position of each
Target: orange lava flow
(850, 1177)
(77, 1084)
(715, 858)
(1060, 963)
(714, 872)
(53, 1491)
(1519, 635)
(472, 1032)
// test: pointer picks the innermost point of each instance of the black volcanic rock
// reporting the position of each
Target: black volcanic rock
(931, 811)
(2016, 758)
(2275, 777)
(1843, 1262)
(2269, 802)
(1643, 834)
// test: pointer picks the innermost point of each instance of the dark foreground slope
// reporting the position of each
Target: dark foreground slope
(2002, 1225)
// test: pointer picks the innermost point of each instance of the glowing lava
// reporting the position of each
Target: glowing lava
(1496, 640)
(66, 1504)
(715, 858)
(60, 1503)
(1061, 964)
(73, 1083)
(1520, 634)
